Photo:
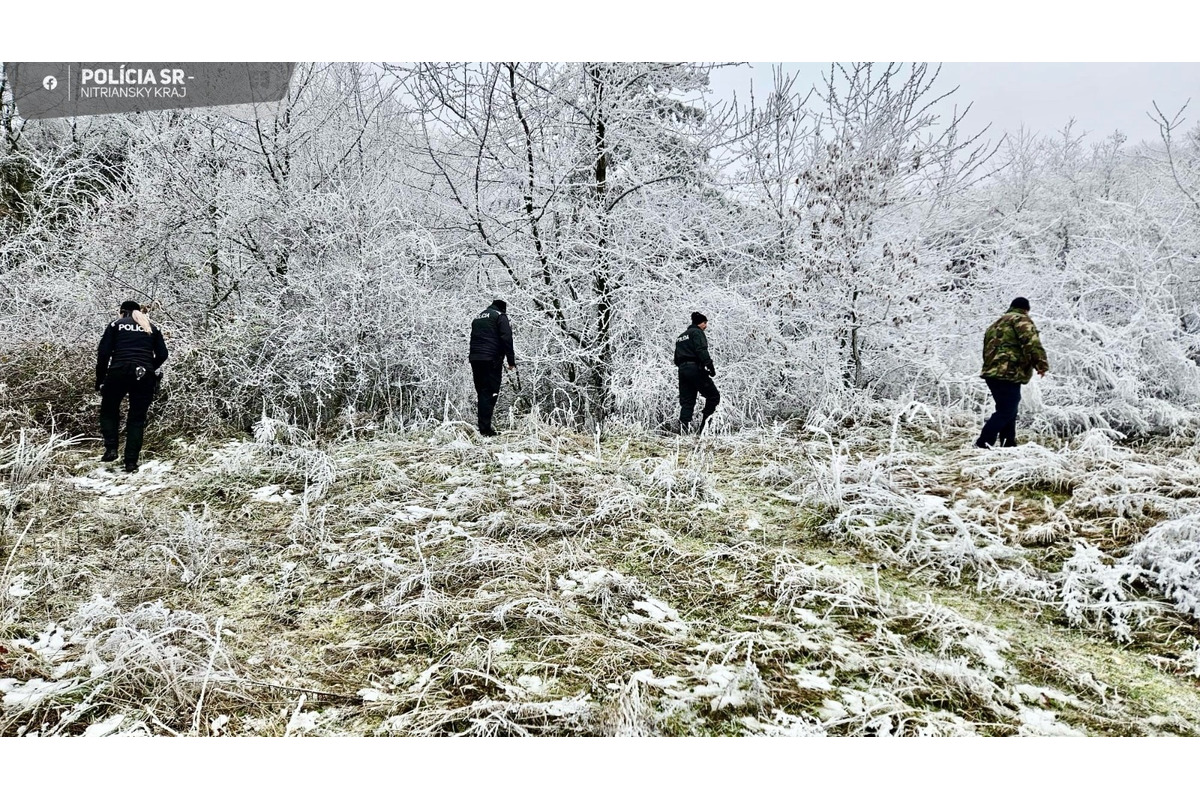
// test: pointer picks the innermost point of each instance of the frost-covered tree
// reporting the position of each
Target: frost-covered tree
(1083, 231)
(571, 186)
(886, 163)
(321, 257)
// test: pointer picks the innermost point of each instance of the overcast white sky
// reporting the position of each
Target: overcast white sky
(1102, 97)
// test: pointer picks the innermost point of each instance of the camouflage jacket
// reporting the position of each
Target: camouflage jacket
(1012, 349)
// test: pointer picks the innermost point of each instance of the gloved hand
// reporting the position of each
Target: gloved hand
(711, 370)
(99, 387)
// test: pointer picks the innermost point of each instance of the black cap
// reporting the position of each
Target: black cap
(130, 305)
(697, 318)
(1020, 303)
(500, 305)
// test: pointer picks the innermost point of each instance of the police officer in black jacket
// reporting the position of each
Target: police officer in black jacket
(491, 343)
(696, 372)
(127, 363)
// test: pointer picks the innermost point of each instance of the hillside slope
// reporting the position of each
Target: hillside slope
(867, 575)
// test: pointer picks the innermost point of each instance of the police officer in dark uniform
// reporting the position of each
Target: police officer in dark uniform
(696, 372)
(127, 362)
(491, 343)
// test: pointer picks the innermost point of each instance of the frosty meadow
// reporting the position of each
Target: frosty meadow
(322, 538)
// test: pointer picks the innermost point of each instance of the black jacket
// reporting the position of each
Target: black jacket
(692, 346)
(491, 337)
(124, 342)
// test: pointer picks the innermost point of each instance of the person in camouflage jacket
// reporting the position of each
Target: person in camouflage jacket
(1012, 351)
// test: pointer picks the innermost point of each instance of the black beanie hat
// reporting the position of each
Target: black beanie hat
(130, 305)
(697, 318)
(501, 306)
(1020, 303)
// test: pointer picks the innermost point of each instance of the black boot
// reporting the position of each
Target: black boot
(110, 454)
(131, 467)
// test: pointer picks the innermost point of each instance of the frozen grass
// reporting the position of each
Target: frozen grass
(867, 575)
(150, 664)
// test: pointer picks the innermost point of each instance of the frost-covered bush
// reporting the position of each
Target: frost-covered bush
(1096, 591)
(280, 452)
(1029, 465)
(150, 650)
(880, 504)
(1169, 557)
(335, 286)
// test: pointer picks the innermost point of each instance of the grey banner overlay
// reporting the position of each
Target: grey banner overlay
(45, 90)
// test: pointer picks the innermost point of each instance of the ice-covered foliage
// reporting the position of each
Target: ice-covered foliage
(148, 666)
(948, 516)
(334, 285)
(1169, 557)
(845, 580)
(830, 557)
(878, 503)
(1095, 591)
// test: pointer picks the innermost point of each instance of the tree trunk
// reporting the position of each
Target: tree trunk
(602, 284)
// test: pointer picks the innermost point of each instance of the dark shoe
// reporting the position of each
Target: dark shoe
(110, 454)
(488, 432)
(131, 467)
(983, 446)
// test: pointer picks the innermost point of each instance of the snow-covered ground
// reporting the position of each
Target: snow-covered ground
(871, 576)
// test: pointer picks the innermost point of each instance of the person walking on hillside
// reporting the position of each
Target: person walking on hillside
(696, 372)
(1012, 351)
(491, 344)
(130, 353)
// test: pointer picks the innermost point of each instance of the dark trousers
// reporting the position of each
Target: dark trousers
(120, 381)
(1003, 423)
(694, 380)
(487, 376)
